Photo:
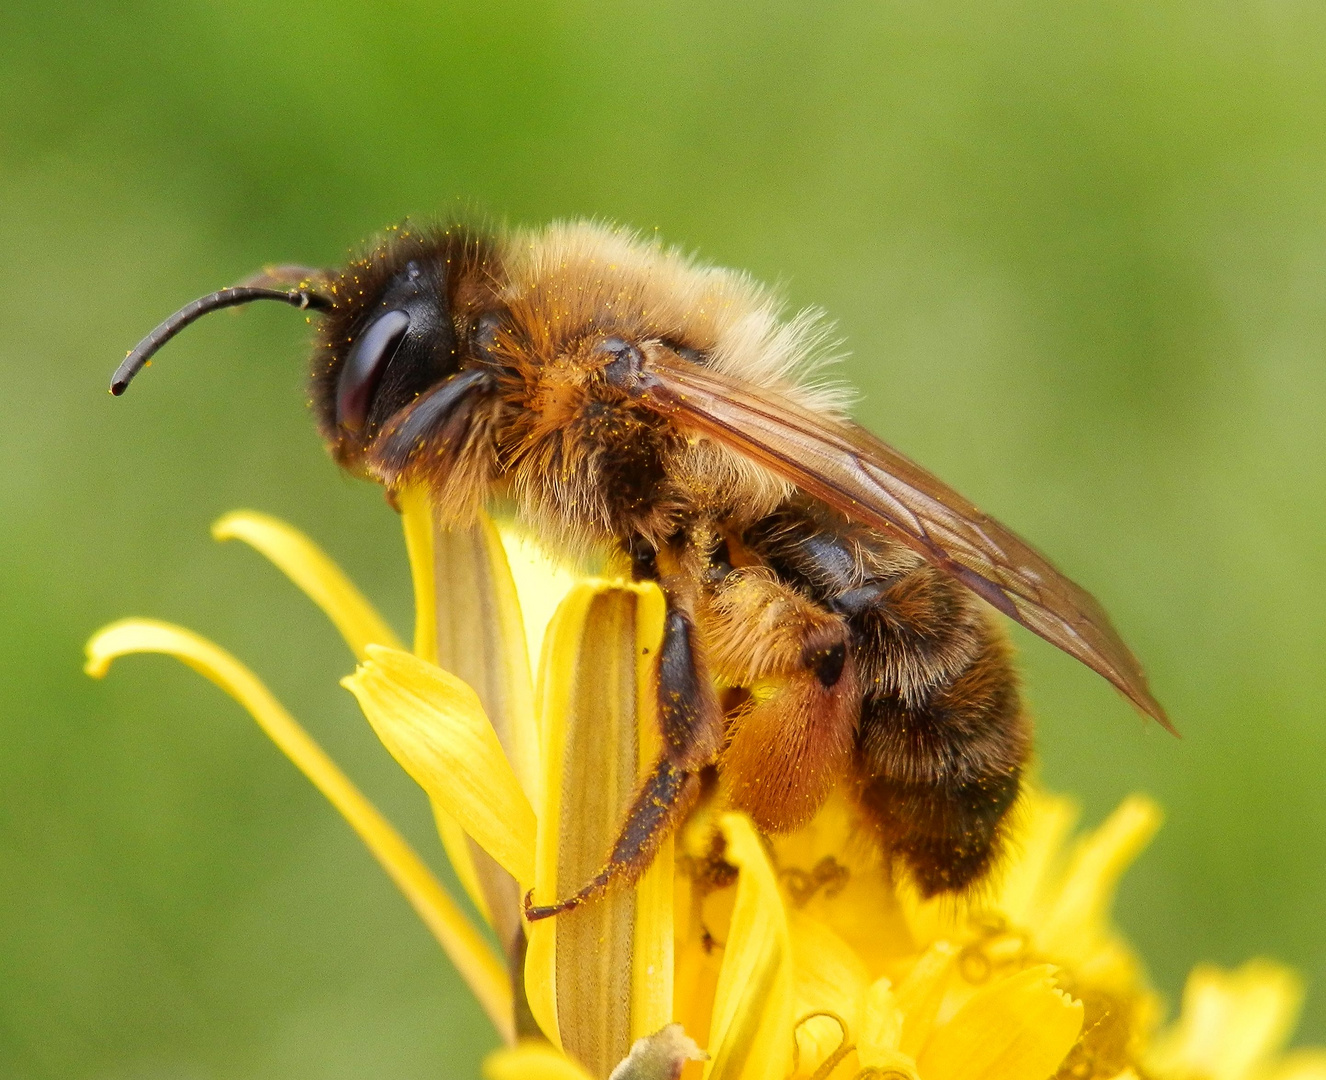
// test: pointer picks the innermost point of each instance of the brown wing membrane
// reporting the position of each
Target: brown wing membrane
(872, 483)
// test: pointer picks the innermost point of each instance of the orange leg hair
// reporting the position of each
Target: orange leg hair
(943, 738)
(793, 738)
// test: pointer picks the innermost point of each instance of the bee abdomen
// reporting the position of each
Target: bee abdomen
(942, 738)
(938, 777)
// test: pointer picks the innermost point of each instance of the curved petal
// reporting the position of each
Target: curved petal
(310, 568)
(436, 729)
(531, 1060)
(878, 1045)
(323, 582)
(462, 853)
(921, 993)
(750, 1036)
(1075, 921)
(830, 978)
(1019, 1028)
(469, 621)
(474, 958)
(541, 585)
(1231, 1022)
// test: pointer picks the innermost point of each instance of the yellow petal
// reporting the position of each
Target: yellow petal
(360, 625)
(750, 1036)
(418, 522)
(881, 1035)
(467, 620)
(600, 976)
(652, 955)
(702, 911)
(474, 959)
(828, 978)
(542, 583)
(436, 729)
(326, 585)
(1077, 918)
(309, 567)
(531, 1060)
(464, 854)
(1047, 820)
(1231, 1022)
(919, 996)
(1019, 1028)
(881, 1022)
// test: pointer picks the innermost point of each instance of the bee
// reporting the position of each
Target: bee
(624, 398)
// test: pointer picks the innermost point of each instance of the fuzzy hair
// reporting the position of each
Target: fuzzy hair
(528, 414)
(572, 281)
(739, 325)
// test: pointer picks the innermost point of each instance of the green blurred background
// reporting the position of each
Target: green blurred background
(1078, 251)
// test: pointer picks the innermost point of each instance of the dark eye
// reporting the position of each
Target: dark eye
(364, 366)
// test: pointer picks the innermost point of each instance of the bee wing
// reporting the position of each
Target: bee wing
(874, 484)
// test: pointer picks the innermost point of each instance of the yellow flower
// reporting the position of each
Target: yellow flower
(796, 956)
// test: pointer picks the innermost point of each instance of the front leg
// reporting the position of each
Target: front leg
(690, 722)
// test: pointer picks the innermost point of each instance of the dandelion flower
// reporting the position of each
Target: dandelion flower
(736, 956)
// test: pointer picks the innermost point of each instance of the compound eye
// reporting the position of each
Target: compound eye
(364, 366)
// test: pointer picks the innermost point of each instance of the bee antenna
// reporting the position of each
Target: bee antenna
(222, 298)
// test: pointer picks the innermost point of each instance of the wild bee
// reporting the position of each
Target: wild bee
(623, 398)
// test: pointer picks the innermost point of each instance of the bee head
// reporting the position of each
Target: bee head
(388, 331)
(391, 333)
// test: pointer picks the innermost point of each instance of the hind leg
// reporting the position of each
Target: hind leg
(792, 740)
(942, 739)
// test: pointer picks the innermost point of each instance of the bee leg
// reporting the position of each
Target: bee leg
(939, 777)
(691, 725)
(943, 738)
(793, 739)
